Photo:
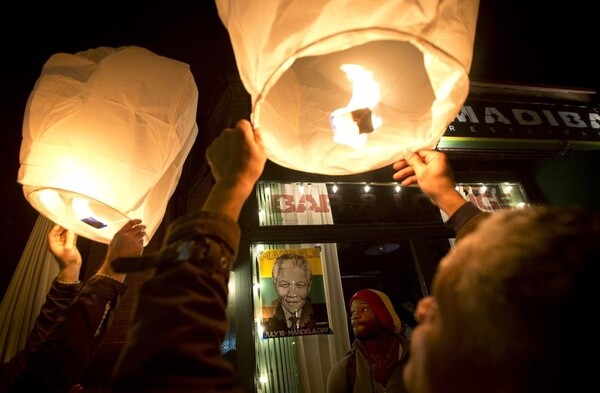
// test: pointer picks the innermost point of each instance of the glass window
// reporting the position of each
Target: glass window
(494, 196)
(342, 203)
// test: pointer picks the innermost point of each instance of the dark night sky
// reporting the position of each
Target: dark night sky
(527, 42)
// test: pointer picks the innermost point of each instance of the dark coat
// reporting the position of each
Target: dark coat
(67, 334)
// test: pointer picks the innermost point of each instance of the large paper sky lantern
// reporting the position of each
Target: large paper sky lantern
(105, 136)
(341, 87)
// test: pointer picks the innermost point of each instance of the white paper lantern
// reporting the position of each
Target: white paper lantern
(410, 60)
(105, 136)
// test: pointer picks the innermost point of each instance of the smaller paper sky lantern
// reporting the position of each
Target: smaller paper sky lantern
(342, 87)
(105, 135)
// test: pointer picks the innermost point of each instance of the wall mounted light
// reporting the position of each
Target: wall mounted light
(105, 135)
(341, 88)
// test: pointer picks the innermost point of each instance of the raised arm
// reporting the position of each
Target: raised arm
(180, 321)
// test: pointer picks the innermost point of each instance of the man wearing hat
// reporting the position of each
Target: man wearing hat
(379, 351)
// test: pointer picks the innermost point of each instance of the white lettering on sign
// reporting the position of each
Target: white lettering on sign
(529, 117)
(285, 203)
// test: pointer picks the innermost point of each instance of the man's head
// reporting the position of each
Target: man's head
(292, 277)
(372, 312)
(510, 306)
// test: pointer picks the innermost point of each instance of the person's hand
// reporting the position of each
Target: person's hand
(76, 389)
(431, 171)
(127, 242)
(63, 246)
(236, 158)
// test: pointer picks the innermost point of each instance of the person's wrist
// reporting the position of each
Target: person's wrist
(240, 187)
(69, 275)
(449, 202)
(106, 271)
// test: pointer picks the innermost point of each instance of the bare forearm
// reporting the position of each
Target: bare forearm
(69, 274)
(227, 199)
(449, 202)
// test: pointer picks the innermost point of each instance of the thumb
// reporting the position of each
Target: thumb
(414, 160)
(258, 139)
(71, 238)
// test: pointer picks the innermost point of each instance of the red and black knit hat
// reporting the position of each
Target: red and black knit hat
(381, 304)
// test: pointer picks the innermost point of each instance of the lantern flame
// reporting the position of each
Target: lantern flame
(352, 123)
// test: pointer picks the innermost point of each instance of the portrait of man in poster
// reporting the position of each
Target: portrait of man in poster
(293, 293)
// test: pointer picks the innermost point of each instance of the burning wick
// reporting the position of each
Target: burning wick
(363, 119)
(352, 123)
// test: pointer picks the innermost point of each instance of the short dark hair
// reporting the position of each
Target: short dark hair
(517, 285)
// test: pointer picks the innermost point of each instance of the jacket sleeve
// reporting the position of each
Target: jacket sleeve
(180, 321)
(58, 360)
(60, 296)
(466, 219)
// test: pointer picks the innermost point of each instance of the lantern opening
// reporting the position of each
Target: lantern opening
(306, 116)
(84, 215)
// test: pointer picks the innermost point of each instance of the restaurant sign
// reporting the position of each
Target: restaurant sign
(574, 126)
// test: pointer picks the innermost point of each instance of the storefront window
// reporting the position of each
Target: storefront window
(343, 202)
(402, 265)
(494, 196)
